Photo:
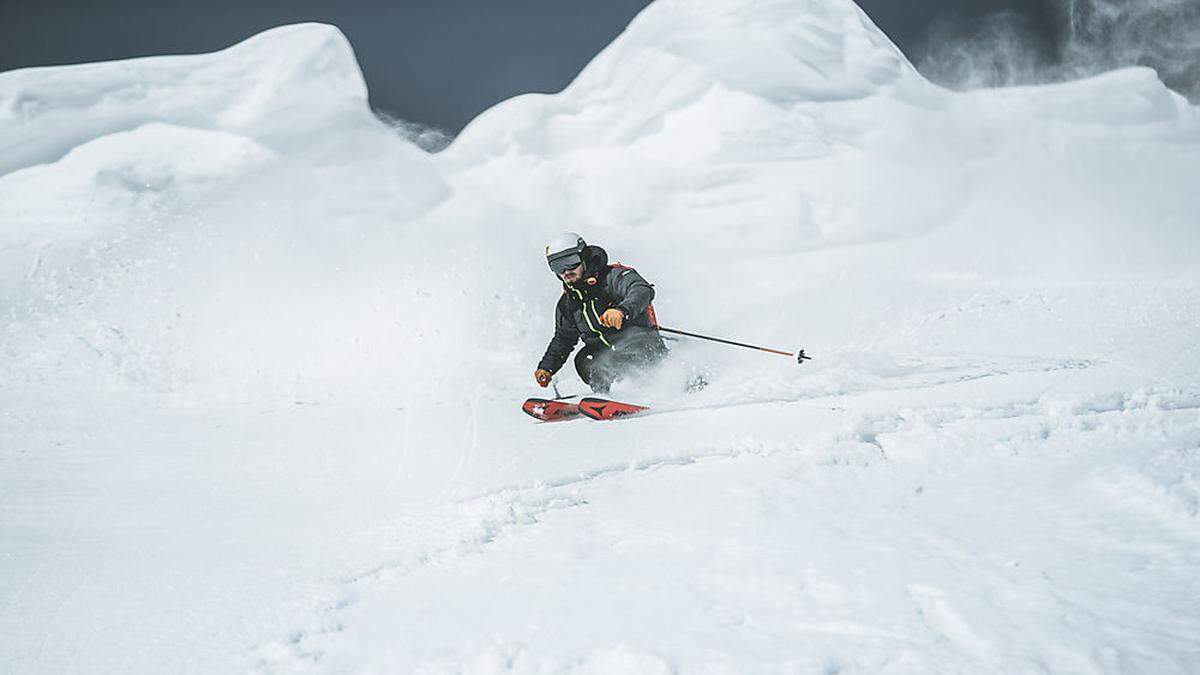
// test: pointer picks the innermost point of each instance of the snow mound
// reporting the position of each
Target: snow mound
(173, 124)
(275, 87)
(206, 170)
(677, 54)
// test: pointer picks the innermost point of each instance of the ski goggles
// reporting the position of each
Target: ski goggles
(566, 262)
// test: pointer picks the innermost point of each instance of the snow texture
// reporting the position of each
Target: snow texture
(261, 363)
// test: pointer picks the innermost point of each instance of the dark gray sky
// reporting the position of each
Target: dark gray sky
(436, 62)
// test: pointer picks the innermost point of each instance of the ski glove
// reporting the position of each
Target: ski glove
(613, 318)
(543, 377)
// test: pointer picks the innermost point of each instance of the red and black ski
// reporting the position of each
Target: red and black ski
(604, 409)
(548, 410)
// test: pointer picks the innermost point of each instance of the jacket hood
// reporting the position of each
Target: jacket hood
(595, 259)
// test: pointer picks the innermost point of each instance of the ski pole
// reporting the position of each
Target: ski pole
(560, 397)
(800, 356)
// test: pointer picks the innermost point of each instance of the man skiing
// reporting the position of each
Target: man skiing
(608, 306)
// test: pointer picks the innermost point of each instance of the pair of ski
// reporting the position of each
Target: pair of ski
(555, 410)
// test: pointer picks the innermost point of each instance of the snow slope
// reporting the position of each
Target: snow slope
(262, 360)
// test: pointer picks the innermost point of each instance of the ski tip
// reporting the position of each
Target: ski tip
(547, 410)
(533, 407)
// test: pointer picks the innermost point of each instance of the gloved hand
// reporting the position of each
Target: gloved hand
(613, 318)
(542, 377)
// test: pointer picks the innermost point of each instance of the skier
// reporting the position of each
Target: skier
(608, 306)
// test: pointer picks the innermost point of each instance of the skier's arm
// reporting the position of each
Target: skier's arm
(566, 336)
(634, 292)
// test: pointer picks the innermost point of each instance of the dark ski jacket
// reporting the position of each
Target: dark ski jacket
(578, 313)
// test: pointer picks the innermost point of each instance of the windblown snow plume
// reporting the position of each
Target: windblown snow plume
(1089, 37)
(425, 136)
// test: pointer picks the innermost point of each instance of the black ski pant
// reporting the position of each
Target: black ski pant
(633, 349)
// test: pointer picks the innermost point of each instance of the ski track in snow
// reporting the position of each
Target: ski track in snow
(470, 527)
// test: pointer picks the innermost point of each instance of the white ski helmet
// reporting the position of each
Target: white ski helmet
(565, 251)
